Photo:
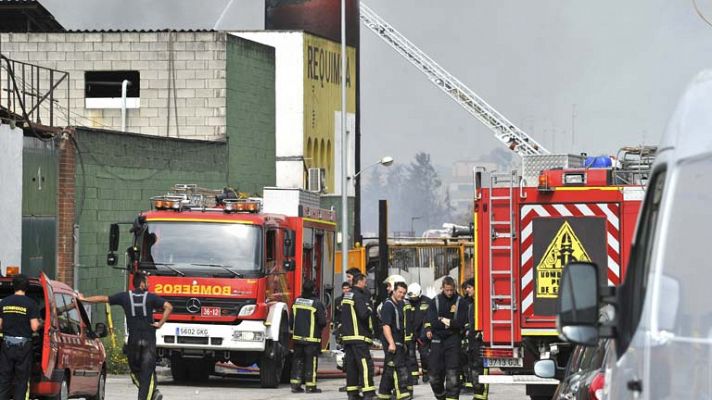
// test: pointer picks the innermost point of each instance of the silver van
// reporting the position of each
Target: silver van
(662, 329)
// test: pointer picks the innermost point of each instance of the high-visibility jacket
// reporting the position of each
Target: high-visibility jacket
(357, 317)
(408, 320)
(308, 319)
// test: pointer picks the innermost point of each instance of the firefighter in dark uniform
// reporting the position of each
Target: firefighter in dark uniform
(357, 326)
(345, 288)
(465, 356)
(447, 317)
(481, 390)
(394, 380)
(139, 305)
(19, 319)
(308, 320)
(411, 361)
(420, 304)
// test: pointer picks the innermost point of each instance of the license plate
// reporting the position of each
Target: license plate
(210, 311)
(189, 331)
(503, 362)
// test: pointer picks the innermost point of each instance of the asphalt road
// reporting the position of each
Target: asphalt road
(218, 388)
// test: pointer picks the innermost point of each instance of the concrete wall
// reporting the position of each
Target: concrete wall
(117, 175)
(199, 79)
(251, 114)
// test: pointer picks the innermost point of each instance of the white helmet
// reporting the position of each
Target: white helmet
(392, 279)
(414, 290)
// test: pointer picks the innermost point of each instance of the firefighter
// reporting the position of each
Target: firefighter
(19, 320)
(357, 329)
(481, 390)
(308, 321)
(138, 306)
(468, 291)
(394, 380)
(446, 319)
(420, 304)
(350, 273)
(345, 288)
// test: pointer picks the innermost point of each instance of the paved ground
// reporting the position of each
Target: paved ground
(120, 387)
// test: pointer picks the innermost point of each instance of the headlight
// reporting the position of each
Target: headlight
(248, 336)
(247, 310)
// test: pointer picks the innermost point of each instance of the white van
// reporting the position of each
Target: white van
(662, 330)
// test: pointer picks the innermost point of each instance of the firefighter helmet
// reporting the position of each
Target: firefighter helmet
(414, 290)
(392, 279)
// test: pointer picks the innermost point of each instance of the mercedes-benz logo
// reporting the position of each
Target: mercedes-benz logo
(192, 305)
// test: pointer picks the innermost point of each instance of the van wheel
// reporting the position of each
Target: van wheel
(200, 371)
(63, 391)
(100, 388)
(179, 369)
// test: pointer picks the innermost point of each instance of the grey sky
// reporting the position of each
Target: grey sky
(622, 63)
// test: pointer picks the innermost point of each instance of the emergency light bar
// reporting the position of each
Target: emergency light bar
(167, 202)
(242, 205)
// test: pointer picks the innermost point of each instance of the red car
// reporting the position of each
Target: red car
(70, 360)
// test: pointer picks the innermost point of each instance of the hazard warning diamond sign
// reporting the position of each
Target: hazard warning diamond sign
(564, 248)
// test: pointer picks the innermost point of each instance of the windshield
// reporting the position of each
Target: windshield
(223, 248)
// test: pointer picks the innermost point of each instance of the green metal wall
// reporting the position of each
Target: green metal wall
(117, 174)
(39, 207)
(251, 114)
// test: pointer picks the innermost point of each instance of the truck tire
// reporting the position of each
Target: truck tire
(179, 369)
(200, 371)
(271, 369)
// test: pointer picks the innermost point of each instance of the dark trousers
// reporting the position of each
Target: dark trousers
(424, 351)
(478, 369)
(444, 367)
(466, 361)
(305, 363)
(15, 370)
(359, 369)
(141, 354)
(412, 362)
(395, 375)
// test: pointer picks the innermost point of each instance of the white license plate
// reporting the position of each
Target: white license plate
(503, 362)
(190, 331)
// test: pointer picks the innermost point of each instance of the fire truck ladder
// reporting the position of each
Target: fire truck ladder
(502, 237)
(504, 130)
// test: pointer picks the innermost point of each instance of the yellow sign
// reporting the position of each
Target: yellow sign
(563, 249)
(192, 289)
(322, 100)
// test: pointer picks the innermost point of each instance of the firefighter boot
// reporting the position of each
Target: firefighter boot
(157, 395)
(296, 378)
(436, 384)
(297, 388)
(452, 386)
(313, 389)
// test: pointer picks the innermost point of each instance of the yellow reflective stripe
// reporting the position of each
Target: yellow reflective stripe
(312, 326)
(295, 381)
(365, 377)
(362, 338)
(396, 384)
(306, 339)
(134, 379)
(149, 396)
(314, 372)
(27, 392)
(427, 325)
(384, 396)
(354, 321)
(351, 388)
(303, 307)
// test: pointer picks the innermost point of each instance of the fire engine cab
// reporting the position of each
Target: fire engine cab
(527, 227)
(231, 267)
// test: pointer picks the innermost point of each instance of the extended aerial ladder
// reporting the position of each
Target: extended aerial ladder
(504, 130)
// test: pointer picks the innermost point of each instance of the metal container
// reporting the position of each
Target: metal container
(532, 165)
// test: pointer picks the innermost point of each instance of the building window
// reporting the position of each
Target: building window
(102, 89)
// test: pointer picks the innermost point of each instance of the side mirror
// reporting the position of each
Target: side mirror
(112, 259)
(545, 369)
(101, 330)
(289, 265)
(577, 305)
(113, 237)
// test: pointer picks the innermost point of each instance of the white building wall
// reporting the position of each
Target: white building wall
(289, 76)
(11, 195)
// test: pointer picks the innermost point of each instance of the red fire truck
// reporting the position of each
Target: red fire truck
(525, 234)
(231, 270)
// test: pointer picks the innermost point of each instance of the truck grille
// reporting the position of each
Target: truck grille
(228, 307)
(192, 340)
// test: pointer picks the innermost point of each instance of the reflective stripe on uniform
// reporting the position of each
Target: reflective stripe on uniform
(149, 395)
(365, 378)
(141, 304)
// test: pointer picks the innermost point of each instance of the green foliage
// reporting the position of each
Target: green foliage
(116, 360)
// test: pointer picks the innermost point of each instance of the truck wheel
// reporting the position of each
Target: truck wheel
(179, 370)
(271, 369)
(200, 371)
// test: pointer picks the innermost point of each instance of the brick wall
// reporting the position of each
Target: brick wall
(66, 209)
(199, 81)
(115, 178)
(251, 114)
